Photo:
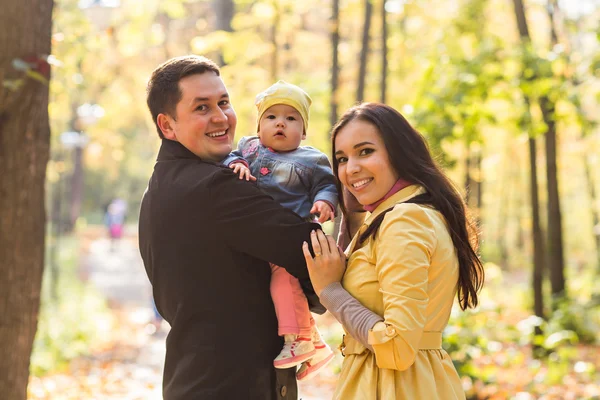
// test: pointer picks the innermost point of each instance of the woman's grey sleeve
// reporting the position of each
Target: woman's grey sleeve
(356, 318)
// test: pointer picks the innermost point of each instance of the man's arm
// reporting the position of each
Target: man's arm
(253, 223)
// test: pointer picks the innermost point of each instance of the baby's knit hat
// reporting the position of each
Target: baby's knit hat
(284, 93)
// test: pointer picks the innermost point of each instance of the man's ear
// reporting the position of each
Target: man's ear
(165, 123)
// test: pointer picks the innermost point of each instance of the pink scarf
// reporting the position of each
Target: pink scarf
(398, 186)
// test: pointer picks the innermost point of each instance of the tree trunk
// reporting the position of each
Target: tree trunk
(550, 7)
(335, 68)
(56, 225)
(502, 246)
(556, 20)
(76, 178)
(224, 10)
(506, 184)
(384, 52)
(538, 242)
(595, 211)
(468, 180)
(364, 53)
(477, 186)
(555, 241)
(478, 183)
(24, 153)
(521, 21)
(523, 212)
(289, 63)
(538, 238)
(76, 187)
(274, 34)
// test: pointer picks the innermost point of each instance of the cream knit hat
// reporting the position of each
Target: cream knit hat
(284, 93)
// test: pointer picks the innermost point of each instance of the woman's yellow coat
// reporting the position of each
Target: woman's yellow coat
(408, 275)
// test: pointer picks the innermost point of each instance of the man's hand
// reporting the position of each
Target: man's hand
(242, 170)
(324, 210)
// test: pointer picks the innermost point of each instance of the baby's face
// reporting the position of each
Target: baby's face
(281, 128)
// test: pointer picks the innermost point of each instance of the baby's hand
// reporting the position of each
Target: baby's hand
(240, 168)
(324, 210)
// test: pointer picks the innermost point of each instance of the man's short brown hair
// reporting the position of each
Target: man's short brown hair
(163, 92)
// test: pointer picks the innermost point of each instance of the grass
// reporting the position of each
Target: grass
(72, 321)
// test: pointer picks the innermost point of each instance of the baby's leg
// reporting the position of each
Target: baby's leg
(291, 305)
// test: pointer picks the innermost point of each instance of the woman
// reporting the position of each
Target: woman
(413, 253)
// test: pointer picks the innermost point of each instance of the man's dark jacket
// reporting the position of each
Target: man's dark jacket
(205, 238)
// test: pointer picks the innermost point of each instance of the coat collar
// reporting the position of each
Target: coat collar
(399, 197)
(171, 150)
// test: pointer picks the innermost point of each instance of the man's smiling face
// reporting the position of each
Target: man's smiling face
(204, 120)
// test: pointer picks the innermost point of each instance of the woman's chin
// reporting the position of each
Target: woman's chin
(361, 197)
(362, 202)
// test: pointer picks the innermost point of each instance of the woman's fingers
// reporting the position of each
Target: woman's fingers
(307, 256)
(324, 244)
(331, 244)
(316, 245)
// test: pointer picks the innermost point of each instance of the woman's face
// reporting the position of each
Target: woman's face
(364, 166)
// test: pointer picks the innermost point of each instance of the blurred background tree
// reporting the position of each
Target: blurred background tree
(24, 152)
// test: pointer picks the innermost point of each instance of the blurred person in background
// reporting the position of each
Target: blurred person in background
(114, 219)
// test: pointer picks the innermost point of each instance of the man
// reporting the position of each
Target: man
(206, 238)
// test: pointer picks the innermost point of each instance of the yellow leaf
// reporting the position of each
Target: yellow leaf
(37, 76)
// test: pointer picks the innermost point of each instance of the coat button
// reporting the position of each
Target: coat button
(283, 390)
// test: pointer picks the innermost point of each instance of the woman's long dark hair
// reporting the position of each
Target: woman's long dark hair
(410, 157)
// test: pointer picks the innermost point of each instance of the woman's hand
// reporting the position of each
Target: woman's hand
(328, 265)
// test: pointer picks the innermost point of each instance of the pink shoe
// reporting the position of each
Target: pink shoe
(322, 357)
(295, 351)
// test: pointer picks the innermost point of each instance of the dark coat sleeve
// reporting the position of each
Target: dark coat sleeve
(253, 223)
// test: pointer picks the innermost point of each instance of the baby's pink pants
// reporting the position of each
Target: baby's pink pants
(291, 305)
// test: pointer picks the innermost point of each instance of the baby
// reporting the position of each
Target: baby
(299, 178)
